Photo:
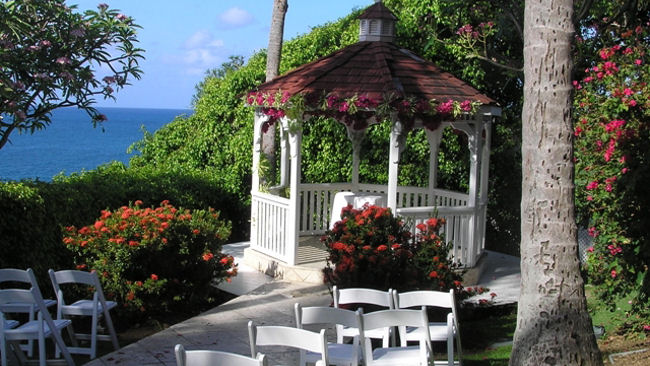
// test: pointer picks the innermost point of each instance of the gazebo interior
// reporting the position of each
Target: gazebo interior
(372, 81)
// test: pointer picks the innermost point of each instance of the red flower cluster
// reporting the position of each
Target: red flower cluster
(371, 248)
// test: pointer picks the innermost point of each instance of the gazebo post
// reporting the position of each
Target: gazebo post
(293, 221)
(475, 147)
(284, 157)
(485, 172)
(395, 147)
(433, 137)
(257, 148)
(356, 138)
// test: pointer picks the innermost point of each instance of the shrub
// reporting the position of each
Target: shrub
(29, 237)
(154, 259)
(372, 248)
(612, 152)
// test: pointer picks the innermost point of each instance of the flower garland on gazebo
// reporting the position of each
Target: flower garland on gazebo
(357, 110)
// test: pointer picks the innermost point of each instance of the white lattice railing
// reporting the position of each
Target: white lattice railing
(459, 229)
(316, 201)
(269, 215)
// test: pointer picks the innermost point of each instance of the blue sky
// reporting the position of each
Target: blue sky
(184, 38)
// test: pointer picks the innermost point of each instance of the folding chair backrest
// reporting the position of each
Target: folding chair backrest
(395, 318)
(25, 276)
(215, 358)
(362, 296)
(75, 277)
(271, 335)
(325, 315)
(33, 298)
(437, 299)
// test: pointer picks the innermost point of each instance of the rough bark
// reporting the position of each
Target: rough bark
(273, 56)
(553, 325)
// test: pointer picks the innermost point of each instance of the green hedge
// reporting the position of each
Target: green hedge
(34, 213)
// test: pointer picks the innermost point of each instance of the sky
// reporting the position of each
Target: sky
(183, 39)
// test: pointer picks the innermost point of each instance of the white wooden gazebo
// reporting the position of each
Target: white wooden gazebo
(366, 74)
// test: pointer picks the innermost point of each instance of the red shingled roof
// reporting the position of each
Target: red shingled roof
(377, 11)
(374, 69)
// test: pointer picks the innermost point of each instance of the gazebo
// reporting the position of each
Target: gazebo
(372, 81)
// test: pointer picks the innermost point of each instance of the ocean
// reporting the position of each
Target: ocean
(70, 143)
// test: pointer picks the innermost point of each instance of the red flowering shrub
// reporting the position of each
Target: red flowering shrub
(612, 151)
(372, 248)
(154, 259)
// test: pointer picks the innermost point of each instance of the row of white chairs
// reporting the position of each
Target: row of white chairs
(40, 325)
(411, 325)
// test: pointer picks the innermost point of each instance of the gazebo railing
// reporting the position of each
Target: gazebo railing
(459, 229)
(269, 215)
(316, 201)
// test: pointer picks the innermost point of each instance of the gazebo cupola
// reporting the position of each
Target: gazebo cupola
(377, 23)
(369, 82)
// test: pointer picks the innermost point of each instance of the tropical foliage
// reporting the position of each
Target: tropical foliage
(53, 57)
(154, 259)
(371, 248)
(612, 107)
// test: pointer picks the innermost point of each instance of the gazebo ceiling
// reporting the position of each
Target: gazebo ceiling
(374, 69)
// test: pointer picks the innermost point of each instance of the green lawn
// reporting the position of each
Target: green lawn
(485, 334)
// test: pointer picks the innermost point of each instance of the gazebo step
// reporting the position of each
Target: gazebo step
(310, 269)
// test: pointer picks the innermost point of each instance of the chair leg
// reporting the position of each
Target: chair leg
(3, 352)
(111, 329)
(41, 352)
(450, 351)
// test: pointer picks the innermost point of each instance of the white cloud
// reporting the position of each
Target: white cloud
(200, 51)
(234, 18)
(202, 39)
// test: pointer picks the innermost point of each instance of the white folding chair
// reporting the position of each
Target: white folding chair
(301, 339)
(215, 358)
(342, 354)
(96, 308)
(40, 329)
(446, 331)
(397, 355)
(28, 279)
(364, 296)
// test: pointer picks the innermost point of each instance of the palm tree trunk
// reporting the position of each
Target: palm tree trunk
(274, 53)
(553, 325)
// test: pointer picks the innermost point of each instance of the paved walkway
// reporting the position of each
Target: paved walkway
(271, 302)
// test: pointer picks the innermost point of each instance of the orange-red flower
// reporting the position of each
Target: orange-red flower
(154, 277)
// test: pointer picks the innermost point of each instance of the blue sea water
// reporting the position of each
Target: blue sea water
(70, 143)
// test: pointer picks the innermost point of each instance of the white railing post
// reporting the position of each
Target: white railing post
(255, 184)
(293, 224)
(397, 136)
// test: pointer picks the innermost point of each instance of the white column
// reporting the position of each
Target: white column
(356, 138)
(397, 136)
(293, 221)
(485, 173)
(434, 138)
(255, 183)
(475, 152)
(474, 130)
(284, 154)
(257, 149)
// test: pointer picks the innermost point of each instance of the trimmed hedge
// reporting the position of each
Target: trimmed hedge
(35, 212)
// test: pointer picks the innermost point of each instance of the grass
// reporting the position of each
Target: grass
(601, 315)
(486, 333)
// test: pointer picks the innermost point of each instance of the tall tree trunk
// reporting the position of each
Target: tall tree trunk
(273, 55)
(553, 325)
